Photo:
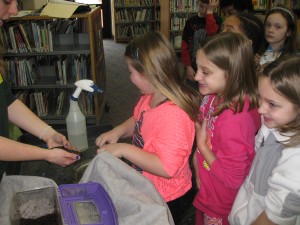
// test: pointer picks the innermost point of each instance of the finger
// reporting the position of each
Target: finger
(73, 156)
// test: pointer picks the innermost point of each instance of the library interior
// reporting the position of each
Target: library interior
(51, 49)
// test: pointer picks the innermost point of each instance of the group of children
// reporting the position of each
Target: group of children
(247, 127)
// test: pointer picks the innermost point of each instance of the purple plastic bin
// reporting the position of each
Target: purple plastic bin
(86, 204)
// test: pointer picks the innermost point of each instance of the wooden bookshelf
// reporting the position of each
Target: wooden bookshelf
(134, 17)
(59, 59)
(176, 12)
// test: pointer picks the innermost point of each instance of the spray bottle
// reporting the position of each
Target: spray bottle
(76, 123)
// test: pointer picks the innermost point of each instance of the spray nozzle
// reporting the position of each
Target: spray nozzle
(87, 85)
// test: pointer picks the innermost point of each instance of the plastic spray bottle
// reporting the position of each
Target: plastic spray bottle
(76, 123)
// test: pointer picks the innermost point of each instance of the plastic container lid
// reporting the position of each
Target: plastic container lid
(86, 204)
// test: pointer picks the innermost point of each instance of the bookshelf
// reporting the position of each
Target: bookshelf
(131, 18)
(260, 7)
(176, 12)
(45, 56)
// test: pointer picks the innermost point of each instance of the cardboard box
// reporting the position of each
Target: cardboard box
(33, 4)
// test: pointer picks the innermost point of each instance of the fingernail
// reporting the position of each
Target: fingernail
(66, 145)
(77, 157)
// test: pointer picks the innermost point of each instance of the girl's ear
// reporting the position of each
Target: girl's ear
(288, 33)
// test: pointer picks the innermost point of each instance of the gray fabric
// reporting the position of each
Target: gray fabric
(135, 198)
(268, 156)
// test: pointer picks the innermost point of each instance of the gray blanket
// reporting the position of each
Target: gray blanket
(134, 197)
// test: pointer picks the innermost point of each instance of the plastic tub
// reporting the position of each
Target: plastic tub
(86, 203)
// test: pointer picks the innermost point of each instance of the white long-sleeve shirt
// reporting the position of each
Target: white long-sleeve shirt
(273, 184)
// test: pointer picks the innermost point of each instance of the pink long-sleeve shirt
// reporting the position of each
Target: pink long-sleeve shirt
(231, 138)
(169, 133)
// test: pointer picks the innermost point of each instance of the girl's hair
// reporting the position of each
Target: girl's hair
(153, 56)
(232, 53)
(290, 44)
(284, 75)
(252, 27)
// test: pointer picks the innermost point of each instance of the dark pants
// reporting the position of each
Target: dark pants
(180, 205)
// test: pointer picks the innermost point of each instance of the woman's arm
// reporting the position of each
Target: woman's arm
(20, 115)
(15, 151)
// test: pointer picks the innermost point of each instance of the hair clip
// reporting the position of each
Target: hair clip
(285, 10)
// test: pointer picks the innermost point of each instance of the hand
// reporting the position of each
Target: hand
(201, 134)
(117, 149)
(190, 73)
(211, 6)
(109, 137)
(61, 157)
(57, 139)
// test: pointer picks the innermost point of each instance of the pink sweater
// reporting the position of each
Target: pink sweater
(169, 133)
(231, 137)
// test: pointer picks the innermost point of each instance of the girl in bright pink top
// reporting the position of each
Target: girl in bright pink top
(228, 123)
(162, 126)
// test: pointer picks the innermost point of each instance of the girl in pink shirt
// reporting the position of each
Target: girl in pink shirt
(162, 125)
(228, 123)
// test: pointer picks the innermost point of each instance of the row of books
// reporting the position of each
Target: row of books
(178, 22)
(290, 4)
(134, 15)
(134, 2)
(175, 39)
(26, 71)
(129, 31)
(184, 5)
(23, 72)
(37, 101)
(263, 4)
(45, 102)
(36, 36)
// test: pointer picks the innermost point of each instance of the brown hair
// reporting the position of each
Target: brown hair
(153, 56)
(232, 52)
(284, 75)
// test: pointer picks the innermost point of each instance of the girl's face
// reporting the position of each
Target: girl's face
(211, 79)
(232, 24)
(275, 109)
(276, 30)
(139, 79)
(8, 8)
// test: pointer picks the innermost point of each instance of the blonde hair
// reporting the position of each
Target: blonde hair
(284, 75)
(232, 53)
(153, 56)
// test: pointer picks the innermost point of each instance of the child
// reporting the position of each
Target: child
(229, 121)
(280, 36)
(231, 7)
(271, 191)
(163, 122)
(196, 29)
(247, 24)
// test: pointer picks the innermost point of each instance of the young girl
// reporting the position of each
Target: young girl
(228, 123)
(247, 24)
(162, 125)
(280, 36)
(271, 191)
